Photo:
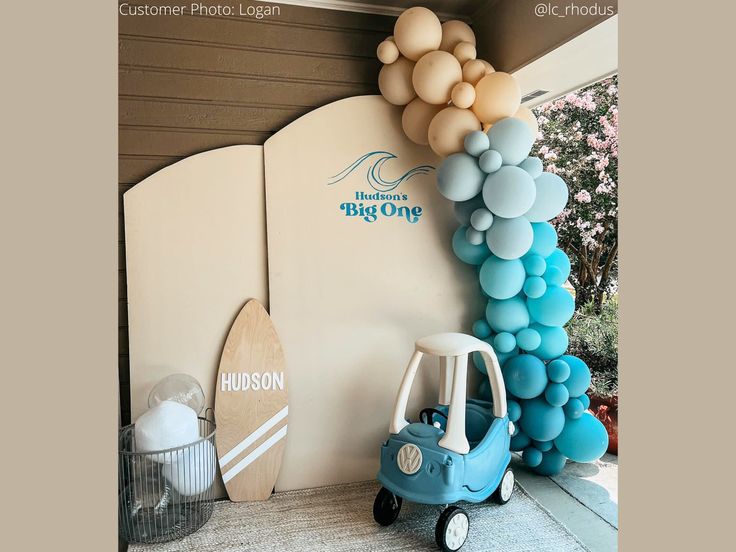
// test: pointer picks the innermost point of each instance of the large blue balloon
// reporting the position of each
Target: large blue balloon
(466, 251)
(554, 308)
(550, 199)
(525, 376)
(459, 177)
(583, 439)
(559, 259)
(552, 463)
(507, 315)
(501, 279)
(540, 420)
(545, 238)
(464, 209)
(510, 238)
(476, 143)
(512, 138)
(532, 165)
(509, 192)
(579, 380)
(554, 341)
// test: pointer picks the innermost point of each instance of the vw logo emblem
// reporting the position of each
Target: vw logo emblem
(409, 459)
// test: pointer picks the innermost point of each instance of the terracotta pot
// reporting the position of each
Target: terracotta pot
(606, 410)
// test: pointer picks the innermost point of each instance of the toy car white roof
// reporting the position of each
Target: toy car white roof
(450, 344)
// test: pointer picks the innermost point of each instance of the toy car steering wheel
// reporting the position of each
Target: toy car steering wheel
(425, 416)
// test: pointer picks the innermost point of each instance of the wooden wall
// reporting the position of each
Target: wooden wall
(188, 84)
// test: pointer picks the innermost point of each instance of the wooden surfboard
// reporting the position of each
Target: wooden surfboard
(251, 406)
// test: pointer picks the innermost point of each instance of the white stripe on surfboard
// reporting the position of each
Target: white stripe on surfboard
(250, 439)
(253, 456)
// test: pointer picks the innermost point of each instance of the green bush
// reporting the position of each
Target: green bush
(594, 338)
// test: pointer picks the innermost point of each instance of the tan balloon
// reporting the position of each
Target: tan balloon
(416, 32)
(448, 129)
(416, 118)
(487, 127)
(488, 66)
(463, 95)
(526, 115)
(453, 33)
(473, 71)
(387, 52)
(434, 76)
(497, 95)
(394, 82)
(464, 51)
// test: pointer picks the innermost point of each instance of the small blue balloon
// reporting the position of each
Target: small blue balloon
(540, 420)
(584, 439)
(520, 441)
(484, 390)
(531, 456)
(490, 161)
(459, 177)
(475, 237)
(554, 341)
(466, 251)
(512, 138)
(476, 143)
(481, 219)
(510, 238)
(532, 165)
(554, 308)
(545, 237)
(585, 399)
(465, 209)
(544, 446)
(501, 279)
(574, 409)
(504, 342)
(556, 394)
(534, 287)
(481, 329)
(553, 276)
(552, 463)
(558, 370)
(579, 381)
(507, 315)
(528, 339)
(509, 192)
(513, 409)
(525, 376)
(550, 199)
(534, 265)
(559, 259)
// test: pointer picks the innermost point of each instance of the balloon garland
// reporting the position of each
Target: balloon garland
(472, 116)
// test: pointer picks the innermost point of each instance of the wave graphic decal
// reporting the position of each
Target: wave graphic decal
(373, 173)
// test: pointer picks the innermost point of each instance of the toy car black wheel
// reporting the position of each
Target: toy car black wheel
(386, 507)
(452, 528)
(506, 488)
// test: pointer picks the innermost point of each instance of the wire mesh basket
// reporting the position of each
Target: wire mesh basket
(167, 494)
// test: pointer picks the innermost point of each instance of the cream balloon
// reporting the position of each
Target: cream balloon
(453, 33)
(416, 32)
(387, 52)
(416, 118)
(434, 76)
(487, 127)
(464, 51)
(448, 129)
(463, 95)
(526, 115)
(473, 71)
(497, 95)
(394, 82)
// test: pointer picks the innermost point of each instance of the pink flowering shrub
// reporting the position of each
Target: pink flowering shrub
(578, 139)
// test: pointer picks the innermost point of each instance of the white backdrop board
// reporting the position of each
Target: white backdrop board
(360, 266)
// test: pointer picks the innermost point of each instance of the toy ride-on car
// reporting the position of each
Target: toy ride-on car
(459, 450)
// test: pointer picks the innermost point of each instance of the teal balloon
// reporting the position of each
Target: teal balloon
(532, 457)
(476, 143)
(544, 446)
(475, 237)
(579, 381)
(481, 329)
(574, 409)
(504, 342)
(528, 339)
(484, 390)
(510, 238)
(525, 376)
(507, 315)
(553, 276)
(554, 308)
(552, 463)
(550, 199)
(490, 161)
(513, 409)
(500, 278)
(512, 138)
(545, 237)
(534, 287)
(584, 439)
(554, 341)
(466, 251)
(509, 192)
(556, 394)
(558, 370)
(585, 399)
(534, 265)
(520, 441)
(481, 219)
(560, 260)
(464, 209)
(459, 177)
(532, 165)
(540, 420)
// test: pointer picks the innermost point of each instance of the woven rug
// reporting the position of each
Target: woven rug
(340, 518)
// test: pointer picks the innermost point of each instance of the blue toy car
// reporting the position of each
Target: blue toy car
(459, 450)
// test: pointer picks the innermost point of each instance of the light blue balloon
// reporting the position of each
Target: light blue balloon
(558, 370)
(559, 259)
(579, 381)
(532, 457)
(510, 238)
(504, 342)
(552, 463)
(464, 209)
(459, 177)
(525, 376)
(550, 199)
(509, 192)
(554, 341)
(501, 279)
(584, 439)
(535, 265)
(554, 308)
(490, 161)
(532, 165)
(520, 441)
(556, 394)
(574, 408)
(540, 420)
(512, 138)
(585, 399)
(513, 409)
(466, 251)
(528, 339)
(481, 329)
(476, 143)
(545, 238)
(507, 315)
(534, 287)
(475, 237)
(481, 219)
(553, 276)
(544, 446)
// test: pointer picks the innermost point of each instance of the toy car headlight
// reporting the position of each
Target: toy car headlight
(409, 459)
